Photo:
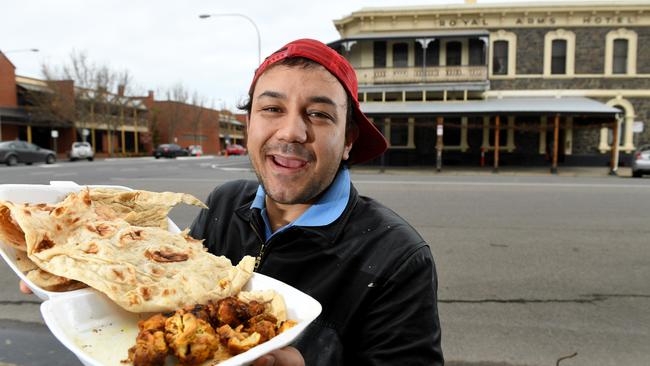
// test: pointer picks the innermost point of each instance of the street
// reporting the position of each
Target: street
(532, 268)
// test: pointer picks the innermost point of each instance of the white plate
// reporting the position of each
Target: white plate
(100, 333)
(41, 193)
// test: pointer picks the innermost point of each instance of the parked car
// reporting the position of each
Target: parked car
(195, 150)
(235, 149)
(641, 164)
(14, 152)
(169, 151)
(81, 150)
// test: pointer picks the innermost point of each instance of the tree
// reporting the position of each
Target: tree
(195, 117)
(178, 95)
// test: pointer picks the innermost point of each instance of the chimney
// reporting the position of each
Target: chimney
(120, 90)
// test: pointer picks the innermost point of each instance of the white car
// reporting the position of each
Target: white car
(641, 164)
(81, 150)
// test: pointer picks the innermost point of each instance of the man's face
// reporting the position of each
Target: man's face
(296, 132)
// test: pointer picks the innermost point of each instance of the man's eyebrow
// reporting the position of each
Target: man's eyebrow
(272, 94)
(322, 99)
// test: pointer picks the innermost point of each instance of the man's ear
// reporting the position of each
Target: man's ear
(351, 136)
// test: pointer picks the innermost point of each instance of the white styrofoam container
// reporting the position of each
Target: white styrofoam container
(55, 192)
(100, 333)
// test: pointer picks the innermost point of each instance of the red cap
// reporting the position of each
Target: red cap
(370, 143)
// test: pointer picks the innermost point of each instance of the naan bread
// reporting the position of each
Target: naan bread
(143, 269)
(139, 208)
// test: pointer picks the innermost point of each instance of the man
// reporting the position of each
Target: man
(307, 225)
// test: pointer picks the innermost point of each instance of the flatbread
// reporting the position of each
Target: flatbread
(142, 269)
(139, 208)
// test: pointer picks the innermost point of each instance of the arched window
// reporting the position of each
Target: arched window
(558, 56)
(500, 58)
(621, 52)
(559, 53)
(619, 65)
(502, 54)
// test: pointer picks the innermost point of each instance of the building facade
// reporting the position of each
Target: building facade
(558, 81)
(55, 113)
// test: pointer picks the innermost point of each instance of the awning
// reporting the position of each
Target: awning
(413, 35)
(575, 106)
(13, 113)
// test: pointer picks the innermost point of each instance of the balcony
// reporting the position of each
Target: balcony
(414, 75)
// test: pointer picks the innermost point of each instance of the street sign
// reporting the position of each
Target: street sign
(55, 134)
(85, 132)
(637, 127)
(439, 130)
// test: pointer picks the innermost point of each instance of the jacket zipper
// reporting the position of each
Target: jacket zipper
(258, 259)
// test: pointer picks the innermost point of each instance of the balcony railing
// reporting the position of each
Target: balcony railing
(407, 75)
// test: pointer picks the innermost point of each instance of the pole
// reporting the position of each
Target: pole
(614, 159)
(0, 127)
(556, 140)
(497, 124)
(439, 144)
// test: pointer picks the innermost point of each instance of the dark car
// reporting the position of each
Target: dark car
(235, 149)
(14, 152)
(169, 151)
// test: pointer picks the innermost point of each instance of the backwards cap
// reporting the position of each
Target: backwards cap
(370, 143)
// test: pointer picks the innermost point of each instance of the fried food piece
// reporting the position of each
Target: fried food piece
(264, 328)
(287, 324)
(236, 346)
(233, 312)
(154, 323)
(191, 339)
(150, 349)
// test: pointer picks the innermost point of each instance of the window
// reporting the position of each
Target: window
(454, 52)
(619, 65)
(558, 56)
(432, 56)
(399, 132)
(379, 52)
(500, 58)
(559, 53)
(400, 54)
(476, 52)
(621, 48)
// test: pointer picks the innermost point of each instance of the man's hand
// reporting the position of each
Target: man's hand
(24, 288)
(287, 356)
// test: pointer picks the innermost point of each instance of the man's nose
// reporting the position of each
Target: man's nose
(294, 128)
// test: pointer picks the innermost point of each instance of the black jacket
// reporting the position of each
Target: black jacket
(370, 270)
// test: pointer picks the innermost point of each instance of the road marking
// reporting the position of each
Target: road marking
(234, 169)
(163, 179)
(50, 165)
(501, 184)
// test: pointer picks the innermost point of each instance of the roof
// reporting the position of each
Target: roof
(520, 106)
(14, 113)
(413, 35)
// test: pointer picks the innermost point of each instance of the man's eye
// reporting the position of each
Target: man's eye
(271, 109)
(319, 115)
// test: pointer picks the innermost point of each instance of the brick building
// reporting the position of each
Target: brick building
(35, 110)
(558, 81)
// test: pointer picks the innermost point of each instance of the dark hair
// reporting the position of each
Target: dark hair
(305, 63)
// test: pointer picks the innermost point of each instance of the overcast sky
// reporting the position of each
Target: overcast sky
(163, 42)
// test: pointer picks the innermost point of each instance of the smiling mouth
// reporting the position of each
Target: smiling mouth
(288, 163)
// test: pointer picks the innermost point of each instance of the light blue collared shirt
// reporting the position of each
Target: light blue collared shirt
(328, 208)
